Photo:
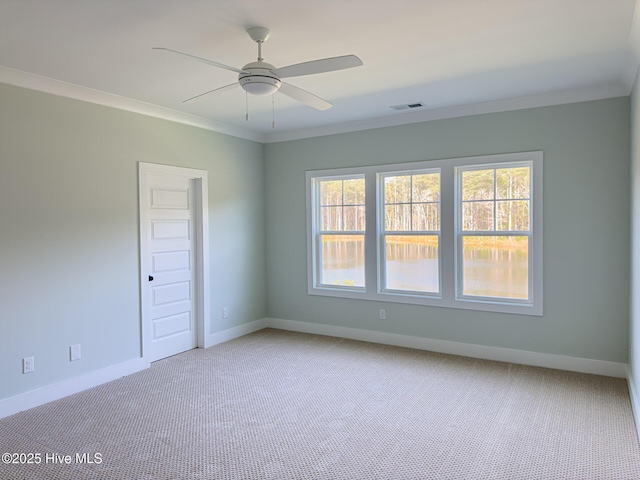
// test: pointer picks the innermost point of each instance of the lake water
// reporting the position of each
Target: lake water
(495, 271)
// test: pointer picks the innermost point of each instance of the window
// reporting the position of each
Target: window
(340, 233)
(410, 235)
(460, 233)
(493, 232)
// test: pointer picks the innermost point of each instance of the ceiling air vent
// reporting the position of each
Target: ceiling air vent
(408, 106)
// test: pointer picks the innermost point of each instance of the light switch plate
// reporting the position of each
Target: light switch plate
(75, 351)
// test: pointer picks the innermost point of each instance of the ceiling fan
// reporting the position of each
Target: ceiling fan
(262, 78)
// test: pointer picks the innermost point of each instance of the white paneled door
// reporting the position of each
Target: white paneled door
(169, 220)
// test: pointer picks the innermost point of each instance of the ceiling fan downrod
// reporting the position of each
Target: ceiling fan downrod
(259, 35)
(258, 77)
(260, 51)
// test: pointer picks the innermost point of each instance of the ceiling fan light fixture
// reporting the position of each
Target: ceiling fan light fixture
(258, 79)
(260, 85)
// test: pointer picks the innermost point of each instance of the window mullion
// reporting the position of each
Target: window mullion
(448, 228)
(411, 202)
(495, 199)
(342, 205)
(317, 234)
(371, 235)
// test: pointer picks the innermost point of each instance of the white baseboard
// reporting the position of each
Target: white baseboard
(560, 362)
(235, 332)
(49, 393)
(635, 401)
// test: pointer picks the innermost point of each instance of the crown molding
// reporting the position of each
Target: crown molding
(40, 83)
(56, 87)
(631, 70)
(532, 101)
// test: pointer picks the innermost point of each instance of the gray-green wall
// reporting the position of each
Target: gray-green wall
(69, 268)
(586, 227)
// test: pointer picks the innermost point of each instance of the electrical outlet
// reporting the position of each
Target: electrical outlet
(75, 352)
(383, 314)
(28, 365)
(225, 312)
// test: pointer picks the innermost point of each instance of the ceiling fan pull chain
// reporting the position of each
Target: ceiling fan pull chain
(273, 111)
(246, 104)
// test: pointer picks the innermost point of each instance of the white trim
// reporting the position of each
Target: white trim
(202, 246)
(235, 332)
(631, 69)
(56, 391)
(635, 400)
(39, 83)
(382, 234)
(35, 398)
(633, 60)
(314, 232)
(518, 103)
(535, 236)
(523, 357)
(202, 272)
(448, 185)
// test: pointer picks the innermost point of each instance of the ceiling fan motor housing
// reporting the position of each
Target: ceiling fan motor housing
(260, 80)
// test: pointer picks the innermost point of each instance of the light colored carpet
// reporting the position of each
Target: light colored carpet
(283, 405)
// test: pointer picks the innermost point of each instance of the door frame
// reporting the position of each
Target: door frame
(201, 216)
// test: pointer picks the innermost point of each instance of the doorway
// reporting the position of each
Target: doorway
(174, 259)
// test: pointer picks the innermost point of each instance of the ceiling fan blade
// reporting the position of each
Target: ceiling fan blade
(318, 66)
(211, 92)
(303, 96)
(203, 60)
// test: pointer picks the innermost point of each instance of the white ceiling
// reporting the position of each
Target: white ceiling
(456, 56)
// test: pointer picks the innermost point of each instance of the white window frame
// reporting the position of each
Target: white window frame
(317, 233)
(448, 246)
(460, 233)
(383, 233)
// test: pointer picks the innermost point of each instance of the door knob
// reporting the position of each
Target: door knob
(150, 278)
